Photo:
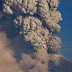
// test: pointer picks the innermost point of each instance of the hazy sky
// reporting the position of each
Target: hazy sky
(65, 8)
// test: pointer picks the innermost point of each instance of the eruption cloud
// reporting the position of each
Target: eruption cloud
(27, 40)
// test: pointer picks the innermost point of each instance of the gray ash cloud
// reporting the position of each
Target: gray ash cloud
(29, 26)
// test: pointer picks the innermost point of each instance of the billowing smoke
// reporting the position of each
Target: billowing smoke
(7, 61)
(28, 44)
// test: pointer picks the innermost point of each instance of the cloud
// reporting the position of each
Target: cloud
(7, 61)
(28, 44)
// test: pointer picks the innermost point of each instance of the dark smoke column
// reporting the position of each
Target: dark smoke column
(37, 21)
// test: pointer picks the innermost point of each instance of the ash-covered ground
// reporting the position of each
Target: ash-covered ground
(27, 40)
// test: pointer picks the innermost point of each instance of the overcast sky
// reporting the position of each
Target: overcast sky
(65, 8)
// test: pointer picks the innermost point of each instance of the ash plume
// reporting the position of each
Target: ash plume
(7, 61)
(26, 34)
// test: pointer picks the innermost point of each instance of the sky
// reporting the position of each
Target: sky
(65, 7)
